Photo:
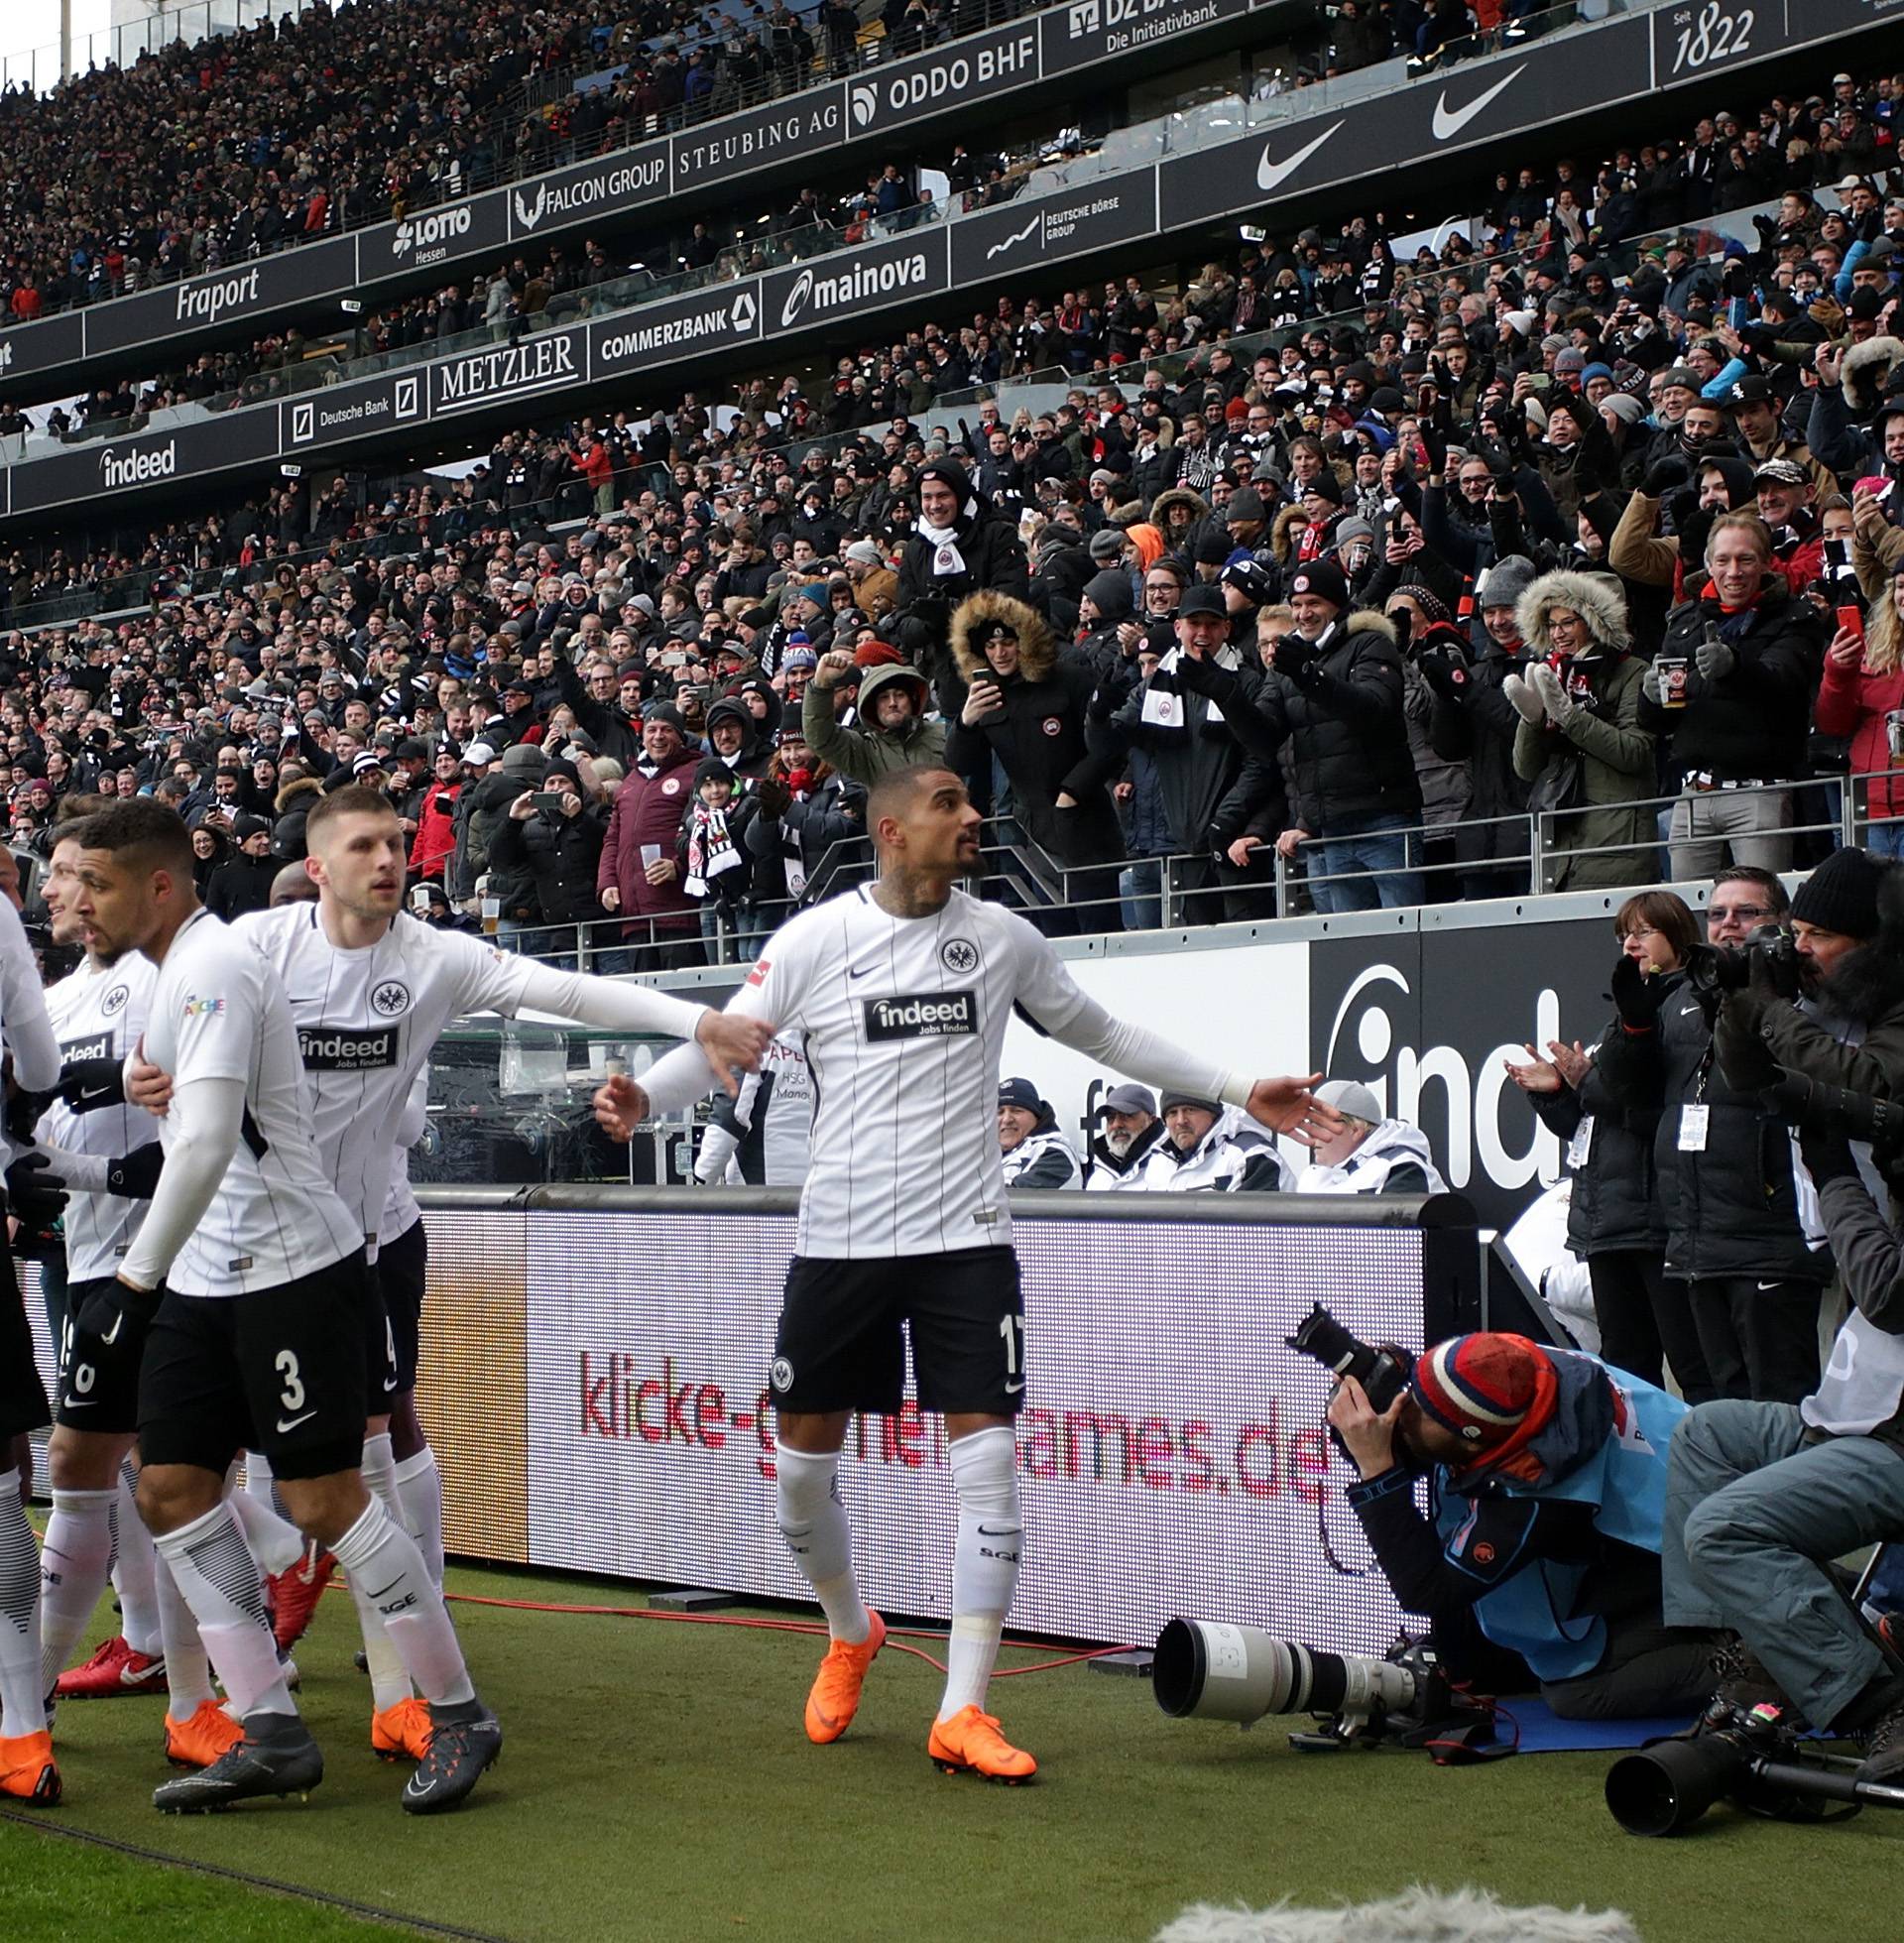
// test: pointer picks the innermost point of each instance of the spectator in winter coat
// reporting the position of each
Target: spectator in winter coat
(435, 838)
(1371, 1153)
(735, 738)
(1026, 703)
(892, 731)
(1130, 1128)
(243, 881)
(558, 849)
(639, 876)
(1196, 758)
(959, 546)
(1749, 658)
(1579, 747)
(1334, 691)
(1474, 722)
(1861, 698)
(1209, 1145)
(1036, 1154)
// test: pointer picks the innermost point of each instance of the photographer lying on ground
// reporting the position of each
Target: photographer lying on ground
(1545, 1483)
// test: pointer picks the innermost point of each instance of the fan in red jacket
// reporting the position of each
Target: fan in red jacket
(435, 837)
(638, 875)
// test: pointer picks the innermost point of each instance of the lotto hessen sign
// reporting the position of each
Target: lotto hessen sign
(476, 226)
(501, 373)
(882, 276)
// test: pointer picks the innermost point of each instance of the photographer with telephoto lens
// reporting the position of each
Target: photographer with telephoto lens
(1546, 1478)
(1762, 1498)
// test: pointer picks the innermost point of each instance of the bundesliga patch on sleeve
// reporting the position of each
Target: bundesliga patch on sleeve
(929, 1016)
(757, 976)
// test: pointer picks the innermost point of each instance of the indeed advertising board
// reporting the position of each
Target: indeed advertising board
(1171, 1453)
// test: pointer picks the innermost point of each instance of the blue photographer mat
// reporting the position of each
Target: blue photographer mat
(1542, 1732)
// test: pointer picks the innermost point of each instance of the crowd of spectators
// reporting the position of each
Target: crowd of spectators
(193, 158)
(1535, 535)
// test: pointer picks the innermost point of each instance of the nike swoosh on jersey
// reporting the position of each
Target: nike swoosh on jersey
(1013, 1388)
(285, 1428)
(88, 1094)
(1270, 173)
(1452, 122)
(76, 1403)
(860, 971)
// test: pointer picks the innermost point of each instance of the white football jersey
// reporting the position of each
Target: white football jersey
(98, 1012)
(218, 1013)
(366, 1023)
(902, 1021)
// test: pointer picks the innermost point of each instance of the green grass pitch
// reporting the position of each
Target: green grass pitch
(656, 1783)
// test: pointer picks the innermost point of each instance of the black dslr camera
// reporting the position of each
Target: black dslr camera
(1383, 1373)
(1712, 970)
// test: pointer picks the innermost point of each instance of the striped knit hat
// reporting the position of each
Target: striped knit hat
(1480, 1387)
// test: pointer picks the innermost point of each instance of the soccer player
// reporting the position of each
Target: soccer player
(370, 989)
(902, 992)
(104, 1155)
(249, 1271)
(28, 1771)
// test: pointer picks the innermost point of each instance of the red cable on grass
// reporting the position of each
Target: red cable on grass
(895, 1634)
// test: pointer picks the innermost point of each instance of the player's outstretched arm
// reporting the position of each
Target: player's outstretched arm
(726, 1039)
(1291, 1107)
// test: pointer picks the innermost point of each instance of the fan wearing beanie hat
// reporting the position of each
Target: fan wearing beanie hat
(1547, 1481)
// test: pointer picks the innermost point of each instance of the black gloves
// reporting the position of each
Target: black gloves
(1827, 1155)
(113, 1305)
(89, 1084)
(773, 795)
(1637, 996)
(135, 1175)
(35, 1199)
(1445, 671)
(1295, 658)
(1434, 443)
(1663, 475)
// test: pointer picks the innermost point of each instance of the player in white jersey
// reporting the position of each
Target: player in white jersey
(370, 989)
(251, 1271)
(26, 1768)
(104, 1155)
(902, 992)
(761, 1136)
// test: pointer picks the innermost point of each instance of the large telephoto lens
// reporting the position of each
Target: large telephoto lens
(1205, 1670)
(1666, 1787)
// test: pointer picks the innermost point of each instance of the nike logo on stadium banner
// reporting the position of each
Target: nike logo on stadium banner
(1269, 174)
(285, 1429)
(1446, 124)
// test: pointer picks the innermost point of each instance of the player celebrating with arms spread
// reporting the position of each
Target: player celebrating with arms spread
(902, 992)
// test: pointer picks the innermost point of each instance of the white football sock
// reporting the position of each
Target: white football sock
(72, 1574)
(382, 1559)
(985, 1567)
(135, 1567)
(420, 1491)
(388, 1682)
(188, 1671)
(276, 1543)
(218, 1577)
(813, 1522)
(23, 1697)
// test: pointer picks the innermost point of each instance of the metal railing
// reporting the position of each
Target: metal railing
(1187, 892)
(38, 70)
